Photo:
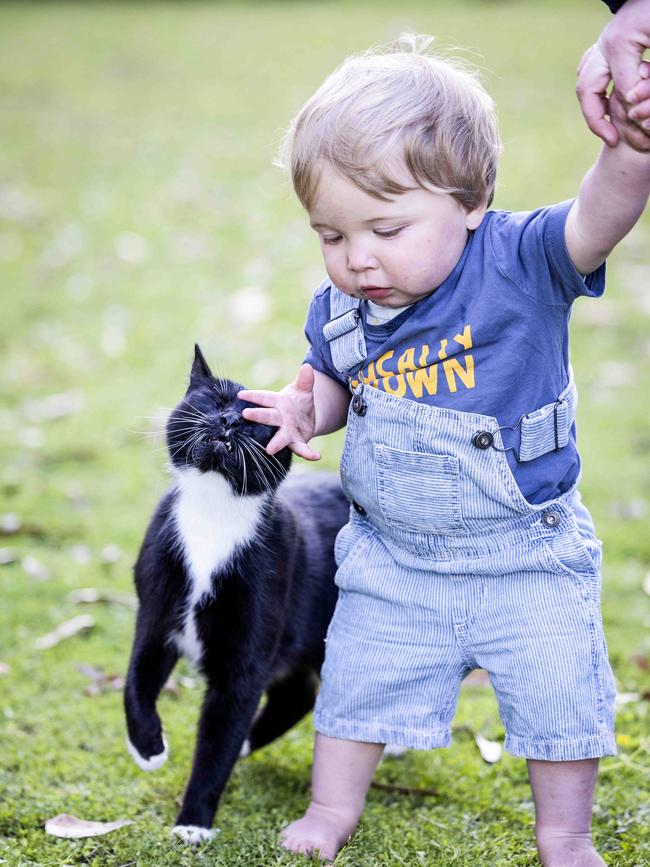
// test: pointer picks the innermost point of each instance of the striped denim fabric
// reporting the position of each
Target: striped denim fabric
(445, 567)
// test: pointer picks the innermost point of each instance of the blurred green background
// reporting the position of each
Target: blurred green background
(140, 212)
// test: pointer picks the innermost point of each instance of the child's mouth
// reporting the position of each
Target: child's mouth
(375, 292)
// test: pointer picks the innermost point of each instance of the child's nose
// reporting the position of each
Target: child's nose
(360, 258)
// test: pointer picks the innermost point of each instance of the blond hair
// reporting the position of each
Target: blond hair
(398, 108)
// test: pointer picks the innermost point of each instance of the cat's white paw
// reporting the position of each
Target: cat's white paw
(193, 834)
(245, 749)
(392, 750)
(152, 763)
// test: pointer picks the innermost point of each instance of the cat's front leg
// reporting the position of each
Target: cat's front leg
(225, 721)
(152, 660)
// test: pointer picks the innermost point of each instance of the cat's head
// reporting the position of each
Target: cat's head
(206, 432)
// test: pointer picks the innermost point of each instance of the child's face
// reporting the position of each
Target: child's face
(392, 252)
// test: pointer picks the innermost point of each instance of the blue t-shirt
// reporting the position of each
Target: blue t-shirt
(492, 339)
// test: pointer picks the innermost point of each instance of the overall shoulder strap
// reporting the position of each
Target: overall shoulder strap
(548, 428)
(344, 332)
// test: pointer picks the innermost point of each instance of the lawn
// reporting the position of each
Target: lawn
(140, 212)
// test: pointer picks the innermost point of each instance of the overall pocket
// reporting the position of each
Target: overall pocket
(418, 491)
(567, 552)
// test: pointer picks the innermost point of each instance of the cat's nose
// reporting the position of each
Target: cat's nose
(229, 419)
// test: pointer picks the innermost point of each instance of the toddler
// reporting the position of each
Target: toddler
(441, 335)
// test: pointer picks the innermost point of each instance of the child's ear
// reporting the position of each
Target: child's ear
(474, 217)
(200, 370)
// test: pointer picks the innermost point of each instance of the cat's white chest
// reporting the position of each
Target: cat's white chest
(211, 523)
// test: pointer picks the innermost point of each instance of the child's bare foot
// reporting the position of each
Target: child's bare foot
(563, 849)
(322, 829)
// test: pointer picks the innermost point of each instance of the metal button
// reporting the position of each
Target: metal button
(551, 518)
(359, 405)
(482, 439)
(359, 509)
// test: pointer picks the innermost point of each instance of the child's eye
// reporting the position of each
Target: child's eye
(331, 239)
(388, 233)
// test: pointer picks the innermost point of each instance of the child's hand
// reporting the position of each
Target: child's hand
(291, 410)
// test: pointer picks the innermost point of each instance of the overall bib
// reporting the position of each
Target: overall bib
(445, 567)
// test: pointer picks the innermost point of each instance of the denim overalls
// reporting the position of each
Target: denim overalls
(445, 567)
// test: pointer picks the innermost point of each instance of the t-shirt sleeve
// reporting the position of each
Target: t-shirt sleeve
(318, 352)
(531, 251)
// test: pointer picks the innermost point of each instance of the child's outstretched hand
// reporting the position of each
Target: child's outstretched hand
(291, 411)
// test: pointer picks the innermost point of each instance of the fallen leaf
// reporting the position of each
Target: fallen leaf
(623, 698)
(34, 568)
(490, 750)
(629, 510)
(110, 554)
(9, 524)
(65, 825)
(81, 554)
(7, 556)
(89, 596)
(101, 682)
(82, 623)
(54, 406)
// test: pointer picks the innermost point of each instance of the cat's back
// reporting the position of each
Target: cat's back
(316, 500)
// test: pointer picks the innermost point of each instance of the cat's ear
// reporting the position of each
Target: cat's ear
(200, 370)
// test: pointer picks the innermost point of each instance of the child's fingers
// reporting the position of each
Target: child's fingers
(261, 398)
(303, 451)
(282, 439)
(263, 416)
(305, 379)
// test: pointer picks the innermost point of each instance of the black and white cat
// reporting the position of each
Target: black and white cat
(236, 572)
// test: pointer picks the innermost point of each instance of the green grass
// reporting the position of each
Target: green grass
(138, 204)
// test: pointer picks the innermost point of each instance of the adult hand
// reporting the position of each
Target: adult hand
(617, 57)
(290, 410)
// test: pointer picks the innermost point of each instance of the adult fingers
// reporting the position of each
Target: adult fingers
(629, 131)
(640, 97)
(624, 57)
(591, 89)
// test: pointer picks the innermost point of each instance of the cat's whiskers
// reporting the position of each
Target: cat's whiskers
(196, 409)
(272, 462)
(258, 470)
(244, 485)
(192, 438)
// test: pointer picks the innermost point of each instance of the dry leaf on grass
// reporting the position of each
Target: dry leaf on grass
(83, 623)
(65, 825)
(490, 750)
(101, 682)
(90, 595)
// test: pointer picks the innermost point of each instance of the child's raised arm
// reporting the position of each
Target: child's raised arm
(611, 199)
(313, 404)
